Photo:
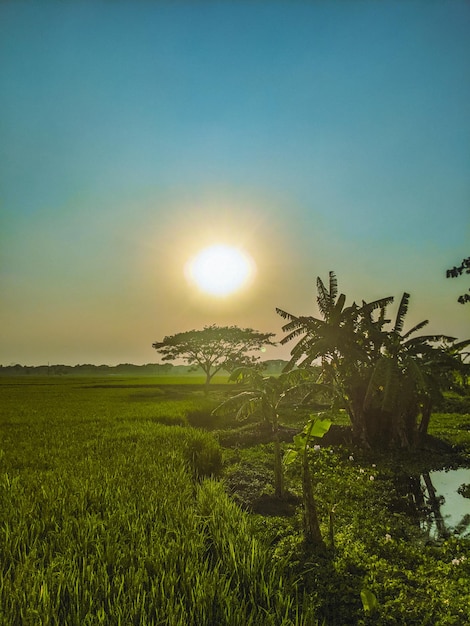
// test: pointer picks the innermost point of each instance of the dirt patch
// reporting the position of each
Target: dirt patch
(272, 506)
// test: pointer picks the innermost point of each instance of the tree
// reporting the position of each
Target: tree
(315, 427)
(457, 271)
(406, 380)
(214, 348)
(263, 397)
(388, 380)
(335, 342)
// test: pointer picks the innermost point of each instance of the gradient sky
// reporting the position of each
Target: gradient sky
(317, 136)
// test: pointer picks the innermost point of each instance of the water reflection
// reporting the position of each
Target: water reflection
(436, 501)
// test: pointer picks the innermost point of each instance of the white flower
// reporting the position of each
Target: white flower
(317, 447)
(362, 470)
(371, 477)
(458, 561)
(388, 537)
(374, 465)
(351, 458)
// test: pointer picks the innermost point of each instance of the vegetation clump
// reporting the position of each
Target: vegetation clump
(386, 379)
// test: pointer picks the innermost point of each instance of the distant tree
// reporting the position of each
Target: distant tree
(458, 271)
(274, 366)
(162, 369)
(214, 348)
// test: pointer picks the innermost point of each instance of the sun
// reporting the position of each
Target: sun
(220, 270)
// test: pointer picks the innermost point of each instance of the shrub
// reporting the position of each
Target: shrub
(202, 452)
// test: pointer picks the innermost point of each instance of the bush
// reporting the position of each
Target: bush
(202, 452)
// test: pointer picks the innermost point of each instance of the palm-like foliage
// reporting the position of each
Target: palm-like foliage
(388, 379)
(406, 380)
(315, 427)
(337, 333)
(344, 341)
(263, 397)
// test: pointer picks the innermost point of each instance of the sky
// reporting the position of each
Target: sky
(315, 136)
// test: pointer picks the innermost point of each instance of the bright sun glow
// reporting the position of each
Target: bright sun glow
(220, 270)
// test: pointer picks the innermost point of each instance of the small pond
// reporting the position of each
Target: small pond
(449, 507)
(438, 501)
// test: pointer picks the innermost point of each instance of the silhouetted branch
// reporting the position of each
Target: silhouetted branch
(455, 272)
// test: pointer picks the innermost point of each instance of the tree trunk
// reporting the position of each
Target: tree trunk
(435, 506)
(207, 383)
(360, 434)
(358, 420)
(312, 530)
(278, 476)
(425, 419)
(401, 431)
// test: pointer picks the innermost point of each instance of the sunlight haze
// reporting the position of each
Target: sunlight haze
(312, 136)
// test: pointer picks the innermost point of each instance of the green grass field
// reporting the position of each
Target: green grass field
(114, 510)
(109, 516)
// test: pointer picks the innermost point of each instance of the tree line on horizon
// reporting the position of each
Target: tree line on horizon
(271, 366)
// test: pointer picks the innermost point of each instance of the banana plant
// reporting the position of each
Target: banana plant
(315, 427)
(389, 380)
(263, 397)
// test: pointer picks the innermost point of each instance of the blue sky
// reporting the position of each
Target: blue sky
(315, 135)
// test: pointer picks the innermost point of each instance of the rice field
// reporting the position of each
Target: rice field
(111, 515)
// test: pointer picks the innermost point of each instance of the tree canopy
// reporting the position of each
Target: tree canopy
(215, 348)
(388, 379)
(454, 272)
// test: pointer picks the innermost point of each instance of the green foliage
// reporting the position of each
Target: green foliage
(102, 522)
(214, 348)
(457, 271)
(106, 518)
(202, 453)
(369, 601)
(464, 490)
(263, 397)
(455, 403)
(255, 579)
(388, 380)
(315, 427)
(202, 415)
(377, 547)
